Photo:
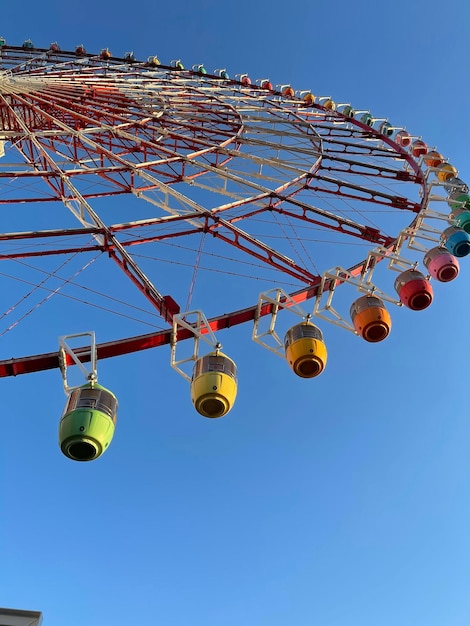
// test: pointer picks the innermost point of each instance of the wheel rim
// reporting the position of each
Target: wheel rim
(229, 165)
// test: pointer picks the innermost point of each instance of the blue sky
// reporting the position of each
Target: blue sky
(337, 501)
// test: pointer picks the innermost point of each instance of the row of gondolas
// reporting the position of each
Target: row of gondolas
(88, 421)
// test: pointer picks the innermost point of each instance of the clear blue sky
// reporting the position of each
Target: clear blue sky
(342, 501)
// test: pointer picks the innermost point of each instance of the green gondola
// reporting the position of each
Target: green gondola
(88, 422)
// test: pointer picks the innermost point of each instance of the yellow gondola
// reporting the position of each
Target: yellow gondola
(305, 350)
(214, 384)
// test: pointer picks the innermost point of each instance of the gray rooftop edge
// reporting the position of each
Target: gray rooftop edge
(17, 617)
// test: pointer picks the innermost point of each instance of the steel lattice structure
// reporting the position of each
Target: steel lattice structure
(121, 159)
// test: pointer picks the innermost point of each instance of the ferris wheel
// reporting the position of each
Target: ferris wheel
(182, 201)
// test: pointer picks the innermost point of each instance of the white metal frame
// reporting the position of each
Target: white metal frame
(423, 230)
(89, 373)
(323, 307)
(197, 324)
(279, 299)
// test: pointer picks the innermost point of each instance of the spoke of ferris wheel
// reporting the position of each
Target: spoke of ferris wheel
(296, 150)
(237, 233)
(266, 197)
(224, 175)
(271, 256)
(241, 140)
(115, 249)
(265, 253)
(263, 160)
(266, 194)
(258, 248)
